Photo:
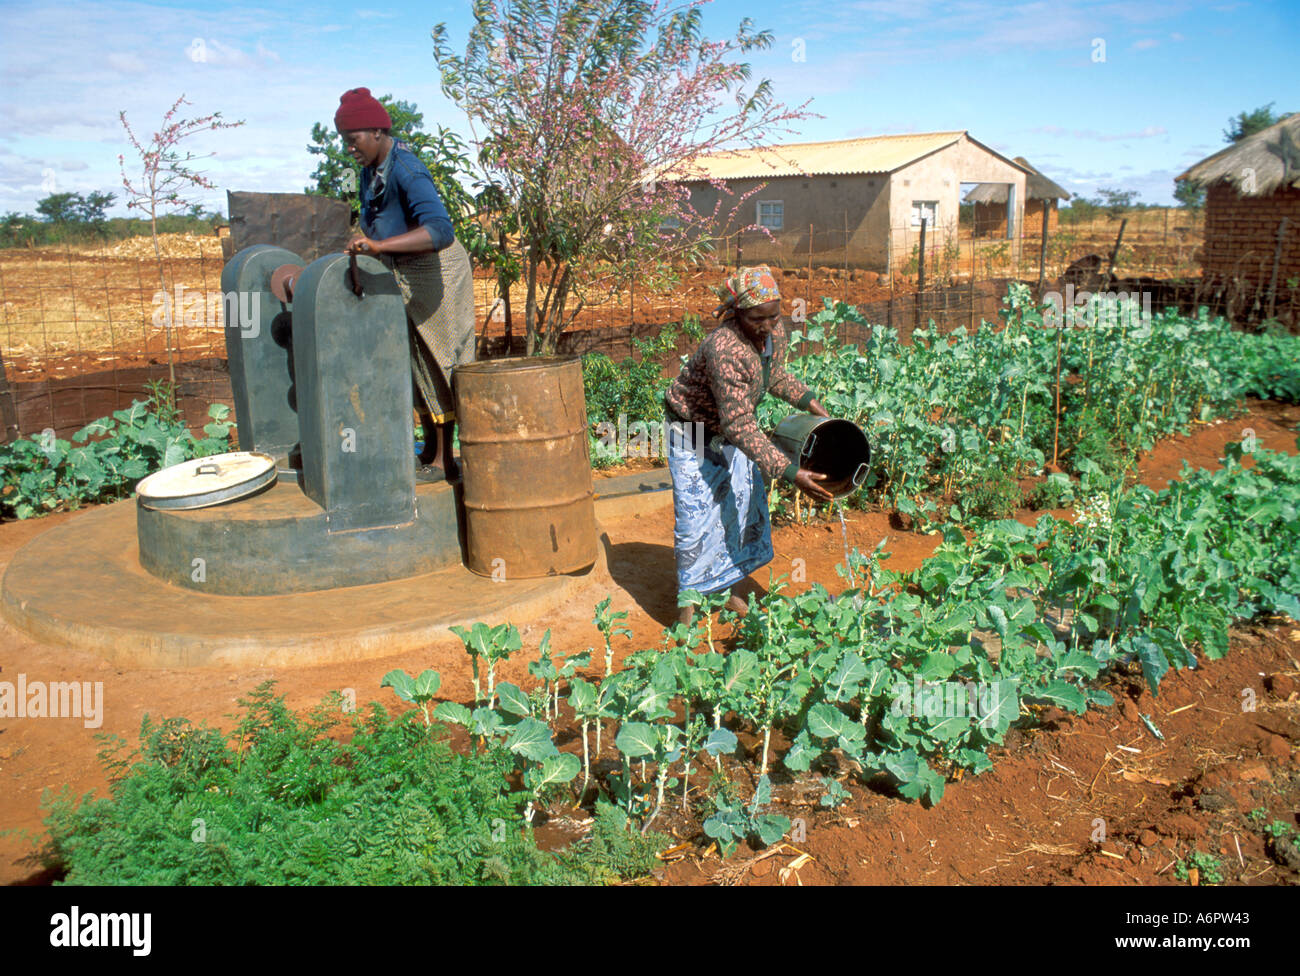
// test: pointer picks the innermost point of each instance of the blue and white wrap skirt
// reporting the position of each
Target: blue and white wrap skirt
(721, 528)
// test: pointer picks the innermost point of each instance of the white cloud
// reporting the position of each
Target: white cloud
(1145, 44)
(214, 52)
(126, 62)
(1150, 132)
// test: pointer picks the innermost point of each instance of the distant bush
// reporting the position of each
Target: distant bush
(26, 230)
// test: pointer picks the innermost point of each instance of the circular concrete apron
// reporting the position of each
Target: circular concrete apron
(81, 584)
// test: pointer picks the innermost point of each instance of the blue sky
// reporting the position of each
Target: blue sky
(1124, 94)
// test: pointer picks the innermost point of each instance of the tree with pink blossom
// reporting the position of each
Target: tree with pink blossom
(165, 178)
(584, 113)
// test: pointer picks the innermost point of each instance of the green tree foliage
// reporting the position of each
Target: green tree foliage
(1248, 123)
(1081, 209)
(1189, 196)
(66, 212)
(59, 208)
(1115, 202)
(29, 230)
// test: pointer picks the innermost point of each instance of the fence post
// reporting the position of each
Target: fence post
(810, 253)
(1277, 256)
(1114, 253)
(8, 413)
(844, 283)
(920, 275)
(889, 318)
(970, 320)
(8, 409)
(1042, 251)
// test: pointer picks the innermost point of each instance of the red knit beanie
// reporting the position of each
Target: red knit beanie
(358, 109)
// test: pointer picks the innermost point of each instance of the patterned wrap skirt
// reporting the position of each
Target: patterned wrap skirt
(438, 291)
(721, 528)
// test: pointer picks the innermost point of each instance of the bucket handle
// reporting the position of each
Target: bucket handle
(859, 475)
(808, 445)
(207, 469)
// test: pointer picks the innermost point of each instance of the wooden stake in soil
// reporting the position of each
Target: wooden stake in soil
(1114, 253)
(844, 282)
(1056, 433)
(970, 319)
(810, 249)
(920, 276)
(889, 318)
(1042, 254)
(8, 415)
(1277, 255)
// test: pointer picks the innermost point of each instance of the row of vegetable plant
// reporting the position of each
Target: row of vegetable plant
(955, 419)
(105, 459)
(1013, 619)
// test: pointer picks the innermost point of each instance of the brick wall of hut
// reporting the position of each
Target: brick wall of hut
(1241, 235)
(991, 219)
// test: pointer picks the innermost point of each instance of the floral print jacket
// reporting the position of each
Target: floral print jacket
(722, 384)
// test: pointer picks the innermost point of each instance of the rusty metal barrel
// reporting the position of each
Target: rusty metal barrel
(529, 506)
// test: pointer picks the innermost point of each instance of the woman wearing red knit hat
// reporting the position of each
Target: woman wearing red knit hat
(405, 225)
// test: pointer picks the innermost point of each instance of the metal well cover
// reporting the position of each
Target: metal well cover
(207, 481)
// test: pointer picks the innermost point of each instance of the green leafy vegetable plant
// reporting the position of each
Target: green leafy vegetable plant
(729, 824)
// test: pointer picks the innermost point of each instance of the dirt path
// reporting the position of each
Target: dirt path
(1029, 820)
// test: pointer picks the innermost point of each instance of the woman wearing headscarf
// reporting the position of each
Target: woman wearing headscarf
(722, 531)
(405, 225)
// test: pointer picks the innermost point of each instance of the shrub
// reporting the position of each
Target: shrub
(325, 799)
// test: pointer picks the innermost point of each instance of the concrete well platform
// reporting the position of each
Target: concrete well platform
(281, 541)
(81, 584)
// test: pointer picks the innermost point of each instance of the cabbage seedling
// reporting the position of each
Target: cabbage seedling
(608, 625)
(582, 699)
(733, 823)
(660, 742)
(420, 691)
(494, 645)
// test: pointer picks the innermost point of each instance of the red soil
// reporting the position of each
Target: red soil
(1033, 819)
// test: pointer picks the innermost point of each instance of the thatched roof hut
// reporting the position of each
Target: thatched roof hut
(1252, 220)
(1037, 187)
(1257, 165)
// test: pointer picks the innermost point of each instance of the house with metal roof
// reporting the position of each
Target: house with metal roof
(860, 200)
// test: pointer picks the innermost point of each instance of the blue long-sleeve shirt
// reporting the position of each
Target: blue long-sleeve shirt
(399, 195)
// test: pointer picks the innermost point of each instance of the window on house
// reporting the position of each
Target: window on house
(771, 214)
(929, 209)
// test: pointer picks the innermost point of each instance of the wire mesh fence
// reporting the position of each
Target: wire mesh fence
(85, 330)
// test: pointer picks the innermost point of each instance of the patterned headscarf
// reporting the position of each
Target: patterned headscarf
(745, 289)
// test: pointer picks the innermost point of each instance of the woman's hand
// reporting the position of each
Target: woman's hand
(816, 409)
(361, 244)
(806, 481)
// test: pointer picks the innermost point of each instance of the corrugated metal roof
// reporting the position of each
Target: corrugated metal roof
(874, 154)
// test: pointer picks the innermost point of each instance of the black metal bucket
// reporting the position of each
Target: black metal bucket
(835, 448)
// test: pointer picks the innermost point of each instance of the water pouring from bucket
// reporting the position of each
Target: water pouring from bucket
(836, 448)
